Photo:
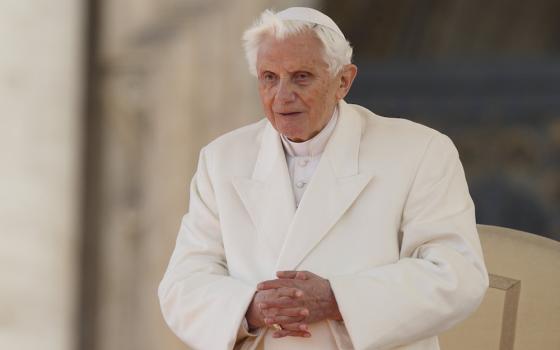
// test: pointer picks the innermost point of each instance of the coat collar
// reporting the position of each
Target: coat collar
(289, 234)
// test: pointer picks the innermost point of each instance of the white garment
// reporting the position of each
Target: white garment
(303, 157)
(319, 330)
(387, 219)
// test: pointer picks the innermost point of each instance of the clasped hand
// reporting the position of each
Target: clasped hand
(293, 301)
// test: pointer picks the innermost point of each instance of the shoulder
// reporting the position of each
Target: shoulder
(235, 152)
(398, 129)
(240, 139)
(399, 134)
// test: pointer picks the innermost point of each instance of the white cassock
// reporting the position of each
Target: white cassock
(303, 157)
(386, 217)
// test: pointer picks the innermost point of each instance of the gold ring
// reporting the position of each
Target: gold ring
(277, 327)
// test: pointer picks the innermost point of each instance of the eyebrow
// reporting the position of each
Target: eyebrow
(307, 69)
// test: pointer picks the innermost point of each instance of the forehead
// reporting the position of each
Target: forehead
(295, 52)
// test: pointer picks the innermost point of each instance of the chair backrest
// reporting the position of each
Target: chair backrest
(521, 309)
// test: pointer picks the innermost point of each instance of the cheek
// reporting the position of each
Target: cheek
(317, 99)
(266, 98)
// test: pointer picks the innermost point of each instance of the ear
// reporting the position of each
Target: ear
(346, 78)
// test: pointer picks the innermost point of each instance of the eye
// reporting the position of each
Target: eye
(302, 77)
(268, 77)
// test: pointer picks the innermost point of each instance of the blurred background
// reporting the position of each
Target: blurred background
(104, 106)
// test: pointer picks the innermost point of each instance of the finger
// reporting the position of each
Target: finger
(282, 302)
(274, 284)
(285, 320)
(270, 313)
(293, 311)
(295, 327)
(299, 275)
(286, 274)
(285, 316)
(296, 312)
(303, 275)
(290, 292)
(285, 333)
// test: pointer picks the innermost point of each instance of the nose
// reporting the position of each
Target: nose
(285, 93)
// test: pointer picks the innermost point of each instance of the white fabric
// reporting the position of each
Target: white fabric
(303, 157)
(307, 14)
(320, 332)
(387, 218)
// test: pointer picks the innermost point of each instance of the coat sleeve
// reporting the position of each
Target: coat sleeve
(202, 304)
(440, 277)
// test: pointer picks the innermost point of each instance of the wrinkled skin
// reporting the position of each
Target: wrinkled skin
(294, 300)
(298, 92)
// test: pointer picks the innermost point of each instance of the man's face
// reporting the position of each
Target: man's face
(297, 91)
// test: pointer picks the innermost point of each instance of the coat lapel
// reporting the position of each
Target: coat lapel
(333, 188)
(268, 195)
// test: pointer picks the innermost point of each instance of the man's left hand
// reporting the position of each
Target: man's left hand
(318, 298)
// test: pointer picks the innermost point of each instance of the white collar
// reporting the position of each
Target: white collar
(315, 145)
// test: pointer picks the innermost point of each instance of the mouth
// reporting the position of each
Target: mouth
(288, 114)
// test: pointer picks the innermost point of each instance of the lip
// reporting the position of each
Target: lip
(288, 114)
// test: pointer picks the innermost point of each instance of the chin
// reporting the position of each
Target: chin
(296, 137)
(287, 130)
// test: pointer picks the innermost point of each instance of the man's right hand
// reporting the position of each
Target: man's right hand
(289, 315)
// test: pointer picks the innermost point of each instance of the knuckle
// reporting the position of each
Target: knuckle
(292, 327)
(299, 334)
(297, 313)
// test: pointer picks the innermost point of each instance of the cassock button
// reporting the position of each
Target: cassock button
(300, 184)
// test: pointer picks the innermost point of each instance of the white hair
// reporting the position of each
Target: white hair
(337, 50)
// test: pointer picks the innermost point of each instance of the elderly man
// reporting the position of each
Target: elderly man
(323, 226)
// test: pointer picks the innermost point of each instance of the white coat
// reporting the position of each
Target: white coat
(387, 218)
